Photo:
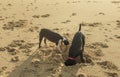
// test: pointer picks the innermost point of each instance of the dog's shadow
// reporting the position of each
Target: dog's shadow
(46, 62)
(41, 64)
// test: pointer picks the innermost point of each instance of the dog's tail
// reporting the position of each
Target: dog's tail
(79, 27)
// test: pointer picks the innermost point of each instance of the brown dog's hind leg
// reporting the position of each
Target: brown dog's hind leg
(45, 42)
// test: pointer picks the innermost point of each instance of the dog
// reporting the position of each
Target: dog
(76, 48)
(53, 37)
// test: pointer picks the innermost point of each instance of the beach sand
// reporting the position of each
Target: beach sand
(20, 24)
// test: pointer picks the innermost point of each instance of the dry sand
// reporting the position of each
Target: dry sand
(21, 21)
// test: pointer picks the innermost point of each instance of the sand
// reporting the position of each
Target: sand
(21, 21)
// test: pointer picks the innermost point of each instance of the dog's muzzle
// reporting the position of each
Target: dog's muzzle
(70, 61)
(65, 41)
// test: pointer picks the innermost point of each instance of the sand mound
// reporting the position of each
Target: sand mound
(112, 74)
(94, 50)
(108, 65)
(98, 44)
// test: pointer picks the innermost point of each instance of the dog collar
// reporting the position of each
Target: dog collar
(71, 58)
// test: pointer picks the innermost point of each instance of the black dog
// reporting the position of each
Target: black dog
(76, 49)
(53, 37)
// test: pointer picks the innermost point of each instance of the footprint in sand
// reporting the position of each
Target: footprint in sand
(15, 59)
(115, 2)
(2, 69)
(73, 14)
(117, 36)
(11, 50)
(19, 45)
(33, 29)
(93, 52)
(56, 29)
(95, 24)
(45, 15)
(15, 24)
(112, 74)
(26, 46)
(108, 65)
(101, 13)
(118, 23)
(2, 49)
(16, 43)
(35, 62)
(9, 4)
(36, 16)
(65, 22)
(88, 59)
(99, 44)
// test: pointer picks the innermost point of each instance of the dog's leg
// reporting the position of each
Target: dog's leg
(40, 39)
(83, 38)
(45, 41)
(81, 54)
(81, 57)
(59, 44)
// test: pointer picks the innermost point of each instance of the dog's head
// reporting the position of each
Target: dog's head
(65, 41)
(70, 62)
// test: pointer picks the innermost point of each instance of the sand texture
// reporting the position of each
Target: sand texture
(20, 24)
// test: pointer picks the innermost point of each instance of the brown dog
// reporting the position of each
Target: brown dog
(53, 37)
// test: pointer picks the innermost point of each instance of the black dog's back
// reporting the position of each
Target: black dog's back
(76, 49)
(77, 43)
